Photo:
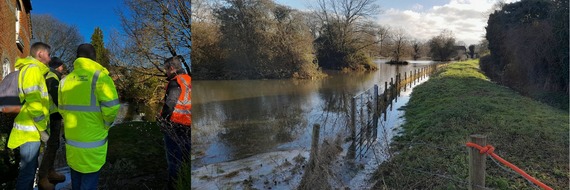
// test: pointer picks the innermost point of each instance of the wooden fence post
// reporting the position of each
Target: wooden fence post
(315, 142)
(376, 113)
(385, 106)
(351, 154)
(415, 75)
(376, 102)
(477, 163)
(314, 148)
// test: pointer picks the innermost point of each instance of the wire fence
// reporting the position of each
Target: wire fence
(367, 108)
(369, 105)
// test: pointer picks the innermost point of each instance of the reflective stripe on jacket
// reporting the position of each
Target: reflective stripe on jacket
(182, 113)
(88, 103)
(32, 90)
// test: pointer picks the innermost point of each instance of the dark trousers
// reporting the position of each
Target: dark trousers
(85, 181)
(51, 149)
(177, 144)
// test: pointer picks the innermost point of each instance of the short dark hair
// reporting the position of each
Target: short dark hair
(55, 62)
(37, 47)
(87, 51)
(173, 62)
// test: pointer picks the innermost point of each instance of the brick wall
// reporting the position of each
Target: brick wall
(9, 50)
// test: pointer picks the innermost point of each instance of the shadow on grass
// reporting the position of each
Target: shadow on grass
(135, 158)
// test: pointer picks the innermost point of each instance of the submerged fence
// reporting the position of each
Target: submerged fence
(369, 106)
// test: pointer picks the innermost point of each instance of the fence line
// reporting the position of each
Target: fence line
(369, 105)
(365, 123)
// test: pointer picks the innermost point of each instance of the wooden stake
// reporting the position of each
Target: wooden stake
(477, 163)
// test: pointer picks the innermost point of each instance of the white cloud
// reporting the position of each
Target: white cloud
(417, 7)
(466, 18)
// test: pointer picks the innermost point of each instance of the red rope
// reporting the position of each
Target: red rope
(489, 151)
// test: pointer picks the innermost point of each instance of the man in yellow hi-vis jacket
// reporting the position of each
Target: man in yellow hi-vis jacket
(88, 103)
(31, 123)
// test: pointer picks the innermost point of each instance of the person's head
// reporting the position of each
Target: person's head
(172, 64)
(86, 51)
(56, 64)
(41, 51)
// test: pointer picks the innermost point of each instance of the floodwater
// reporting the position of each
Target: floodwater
(237, 119)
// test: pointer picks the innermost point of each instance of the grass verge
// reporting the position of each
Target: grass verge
(135, 158)
(459, 101)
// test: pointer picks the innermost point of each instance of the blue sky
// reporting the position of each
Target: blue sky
(85, 14)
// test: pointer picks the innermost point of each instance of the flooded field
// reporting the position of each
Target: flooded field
(248, 131)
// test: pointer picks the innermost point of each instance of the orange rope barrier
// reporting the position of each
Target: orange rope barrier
(489, 151)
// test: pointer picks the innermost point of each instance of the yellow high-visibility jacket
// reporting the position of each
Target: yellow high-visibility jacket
(34, 114)
(88, 103)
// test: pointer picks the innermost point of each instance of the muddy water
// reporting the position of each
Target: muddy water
(242, 118)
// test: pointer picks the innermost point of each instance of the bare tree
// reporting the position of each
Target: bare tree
(400, 39)
(382, 34)
(62, 38)
(416, 49)
(158, 29)
(346, 12)
(342, 22)
(202, 10)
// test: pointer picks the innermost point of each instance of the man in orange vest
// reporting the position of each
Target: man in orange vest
(176, 117)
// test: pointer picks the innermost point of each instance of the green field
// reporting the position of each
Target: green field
(458, 101)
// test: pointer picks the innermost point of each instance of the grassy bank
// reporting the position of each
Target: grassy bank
(459, 101)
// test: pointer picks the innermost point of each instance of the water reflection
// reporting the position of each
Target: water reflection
(238, 119)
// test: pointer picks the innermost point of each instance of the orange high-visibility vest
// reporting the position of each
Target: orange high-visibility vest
(182, 113)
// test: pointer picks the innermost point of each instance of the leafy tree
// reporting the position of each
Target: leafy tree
(100, 50)
(62, 38)
(442, 46)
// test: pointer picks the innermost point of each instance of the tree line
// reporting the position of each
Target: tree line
(528, 43)
(255, 39)
(239, 39)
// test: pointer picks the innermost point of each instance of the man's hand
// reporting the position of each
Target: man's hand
(44, 137)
